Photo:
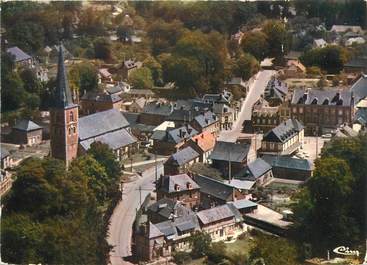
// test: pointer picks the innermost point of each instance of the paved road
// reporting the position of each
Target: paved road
(120, 230)
(256, 88)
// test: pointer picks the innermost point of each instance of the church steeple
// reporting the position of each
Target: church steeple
(64, 117)
(63, 97)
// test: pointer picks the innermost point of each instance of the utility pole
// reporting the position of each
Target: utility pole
(156, 169)
(229, 166)
(139, 195)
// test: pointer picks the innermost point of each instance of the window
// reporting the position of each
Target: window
(301, 110)
(340, 112)
(71, 116)
(74, 129)
(69, 130)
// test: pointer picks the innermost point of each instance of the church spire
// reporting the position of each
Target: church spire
(63, 98)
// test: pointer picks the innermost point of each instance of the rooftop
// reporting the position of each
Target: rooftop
(205, 141)
(254, 170)
(178, 183)
(206, 119)
(287, 162)
(322, 97)
(216, 214)
(183, 156)
(26, 125)
(18, 54)
(214, 188)
(100, 123)
(226, 151)
(284, 131)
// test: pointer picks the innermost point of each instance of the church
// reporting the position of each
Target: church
(72, 135)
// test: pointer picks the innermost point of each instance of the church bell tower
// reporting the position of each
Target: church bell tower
(64, 117)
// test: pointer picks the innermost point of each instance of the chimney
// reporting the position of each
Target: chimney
(180, 133)
(188, 185)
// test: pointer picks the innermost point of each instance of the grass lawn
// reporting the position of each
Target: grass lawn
(240, 246)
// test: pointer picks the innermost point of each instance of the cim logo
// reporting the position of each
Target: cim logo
(345, 251)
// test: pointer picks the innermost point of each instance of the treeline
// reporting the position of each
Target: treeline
(331, 208)
(54, 215)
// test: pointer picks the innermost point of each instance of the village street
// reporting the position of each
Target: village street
(120, 230)
(256, 88)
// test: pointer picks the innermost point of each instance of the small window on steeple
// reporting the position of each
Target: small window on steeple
(69, 130)
(71, 116)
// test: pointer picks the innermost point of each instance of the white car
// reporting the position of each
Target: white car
(328, 135)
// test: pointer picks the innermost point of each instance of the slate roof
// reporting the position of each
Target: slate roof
(183, 224)
(62, 98)
(254, 170)
(142, 92)
(118, 88)
(182, 115)
(18, 54)
(100, 123)
(220, 108)
(243, 204)
(359, 88)
(214, 188)
(183, 156)
(179, 134)
(166, 207)
(206, 119)
(240, 184)
(114, 140)
(4, 152)
(158, 108)
(320, 42)
(216, 214)
(154, 231)
(322, 97)
(287, 162)
(99, 97)
(276, 89)
(129, 64)
(131, 117)
(344, 28)
(104, 72)
(159, 135)
(284, 131)
(26, 125)
(182, 180)
(226, 151)
(361, 116)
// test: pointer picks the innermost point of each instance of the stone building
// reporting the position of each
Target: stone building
(180, 161)
(155, 112)
(258, 171)
(26, 132)
(284, 139)
(321, 111)
(179, 188)
(129, 66)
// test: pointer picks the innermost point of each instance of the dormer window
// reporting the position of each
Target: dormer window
(189, 185)
(326, 102)
(314, 101)
(177, 187)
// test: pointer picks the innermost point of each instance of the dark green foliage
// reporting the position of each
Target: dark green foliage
(200, 244)
(217, 252)
(328, 212)
(83, 77)
(330, 58)
(102, 49)
(51, 214)
(141, 78)
(245, 66)
(256, 44)
(277, 38)
(273, 251)
(181, 258)
(31, 83)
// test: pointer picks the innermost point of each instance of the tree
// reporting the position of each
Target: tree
(273, 251)
(102, 49)
(330, 58)
(200, 242)
(83, 77)
(155, 68)
(323, 212)
(104, 155)
(256, 44)
(314, 71)
(31, 83)
(245, 66)
(141, 78)
(164, 35)
(322, 82)
(124, 33)
(27, 35)
(277, 38)
(217, 252)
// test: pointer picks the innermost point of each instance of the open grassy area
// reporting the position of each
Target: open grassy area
(240, 246)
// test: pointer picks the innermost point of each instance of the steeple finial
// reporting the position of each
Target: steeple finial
(63, 97)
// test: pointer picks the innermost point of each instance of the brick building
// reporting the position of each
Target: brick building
(92, 102)
(179, 188)
(26, 132)
(322, 110)
(206, 122)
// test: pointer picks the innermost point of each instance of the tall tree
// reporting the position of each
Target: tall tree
(277, 38)
(256, 44)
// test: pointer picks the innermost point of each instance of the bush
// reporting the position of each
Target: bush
(181, 257)
(217, 252)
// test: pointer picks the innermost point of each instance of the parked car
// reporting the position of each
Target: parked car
(328, 135)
